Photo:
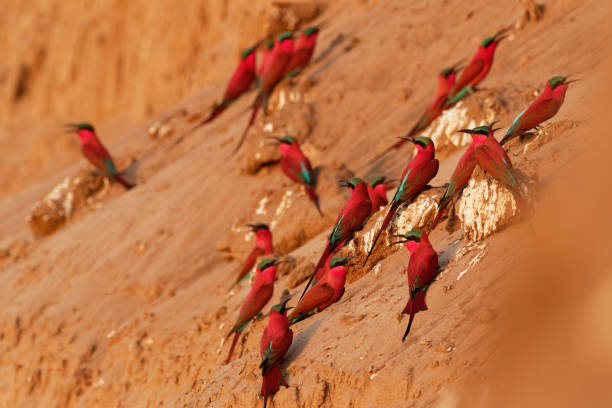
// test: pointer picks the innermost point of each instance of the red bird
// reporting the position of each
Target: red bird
(493, 159)
(421, 169)
(477, 69)
(261, 292)
(377, 190)
(486, 151)
(265, 53)
(324, 293)
(241, 81)
(275, 342)
(446, 81)
(458, 181)
(352, 217)
(543, 108)
(96, 153)
(297, 167)
(263, 246)
(422, 271)
(302, 54)
(271, 75)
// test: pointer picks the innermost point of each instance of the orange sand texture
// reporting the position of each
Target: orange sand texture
(127, 303)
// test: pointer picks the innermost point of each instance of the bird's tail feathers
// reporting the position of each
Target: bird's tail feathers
(256, 106)
(234, 341)
(314, 198)
(123, 181)
(414, 305)
(272, 381)
(383, 227)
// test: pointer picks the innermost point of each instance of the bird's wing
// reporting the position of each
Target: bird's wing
(99, 157)
(275, 71)
(423, 269)
(496, 163)
(315, 296)
(462, 173)
(299, 166)
(253, 304)
(534, 115)
(470, 72)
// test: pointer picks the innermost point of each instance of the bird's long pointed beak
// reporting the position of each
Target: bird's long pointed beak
(501, 34)
(470, 131)
(344, 183)
(567, 82)
(402, 241)
(492, 123)
(408, 138)
(71, 127)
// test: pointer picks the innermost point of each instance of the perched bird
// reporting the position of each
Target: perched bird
(477, 69)
(493, 159)
(422, 271)
(260, 294)
(319, 273)
(485, 151)
(446, 81)
(544, 107)
(458, 181)
(324, 293)
(417, 174)
(297, 167)
(352, 217)
(263, 246)
(241, 81)
(272, 72)
(303, 51)
(263, 59)
(377, 190)
(96, 153)
(275, 342)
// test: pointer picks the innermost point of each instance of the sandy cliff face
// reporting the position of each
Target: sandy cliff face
(127, 304)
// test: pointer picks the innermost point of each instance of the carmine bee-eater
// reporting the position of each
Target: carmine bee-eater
(446, 81)
(297, 167)
(275, 342)
(96, 153)
(261, 292)
(422, 271)
(324, 293)
(377, 190)
(352, 217)
(477, 69)
(263, 59)
(240, 82)
(263, 246)
(493, 159)
(303, 51)
(544, 107)
(272, 73)
(421, 169)
(488, 153)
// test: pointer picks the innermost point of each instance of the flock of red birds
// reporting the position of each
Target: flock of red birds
(286, 57)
